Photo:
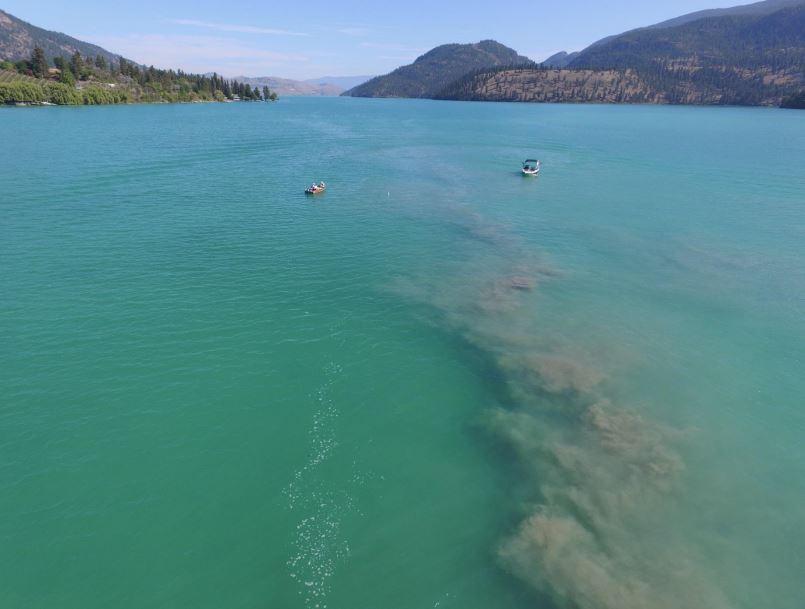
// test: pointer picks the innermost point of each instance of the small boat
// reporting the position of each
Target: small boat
(315, 189)
(531, 167)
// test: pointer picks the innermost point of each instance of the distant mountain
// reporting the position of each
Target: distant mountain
(18, 39)
(286, 87)
(757, 8)
(750, 55)
(560, 60)
(345, 82)
(770, 34)
(437, 68)
(766, 7)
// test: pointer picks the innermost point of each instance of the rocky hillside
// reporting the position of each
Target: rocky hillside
(755, 58)
(627, 86)
(18, 39)
(437, 68)
(554, 85)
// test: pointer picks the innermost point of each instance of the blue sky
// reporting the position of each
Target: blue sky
(311, 38)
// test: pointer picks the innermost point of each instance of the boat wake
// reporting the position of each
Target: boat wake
(320, 544)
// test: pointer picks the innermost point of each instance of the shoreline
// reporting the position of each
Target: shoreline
(144, 103)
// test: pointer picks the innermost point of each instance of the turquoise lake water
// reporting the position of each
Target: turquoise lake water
(439, 384)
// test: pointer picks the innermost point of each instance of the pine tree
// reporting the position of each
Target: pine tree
(266, 93)
(77, 65)
(39, 63)
(100, 62)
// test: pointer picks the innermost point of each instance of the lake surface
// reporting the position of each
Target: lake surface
(439, 384)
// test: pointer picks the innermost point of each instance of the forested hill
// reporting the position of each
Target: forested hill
(18, 40)
(796, 101)
(59, 70)
(437, 68)
(775, 41)
(766, 7)
(746, 59)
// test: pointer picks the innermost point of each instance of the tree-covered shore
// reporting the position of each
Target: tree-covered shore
(796, 101)
(79, 80)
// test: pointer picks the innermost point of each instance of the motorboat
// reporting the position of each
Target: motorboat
(315, 189)
(531, 167)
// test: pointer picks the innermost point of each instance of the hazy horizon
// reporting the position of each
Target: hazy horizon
(317, 39)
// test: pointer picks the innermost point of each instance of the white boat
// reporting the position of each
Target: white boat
(531, 167)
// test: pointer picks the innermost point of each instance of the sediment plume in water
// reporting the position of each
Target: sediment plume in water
(598, 479)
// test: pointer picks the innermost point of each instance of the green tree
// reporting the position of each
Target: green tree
(77, 65)
(795, 101)
(39, 63)
(66, 77)
(23, 66)
(266, 93)
(100, 62)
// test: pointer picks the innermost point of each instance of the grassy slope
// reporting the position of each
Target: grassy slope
(7, 76)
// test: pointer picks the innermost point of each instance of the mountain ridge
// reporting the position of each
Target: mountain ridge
(435, 69)
(344, 82)
(755, 8)
(763, 7)
(747, 56)
(560, 59)
(18, 39)
(730, 39)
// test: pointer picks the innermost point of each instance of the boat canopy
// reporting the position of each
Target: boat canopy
(529, 161)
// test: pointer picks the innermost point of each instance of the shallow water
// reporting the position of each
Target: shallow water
(439, 384)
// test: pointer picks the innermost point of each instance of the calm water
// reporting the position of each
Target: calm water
(438, 385)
